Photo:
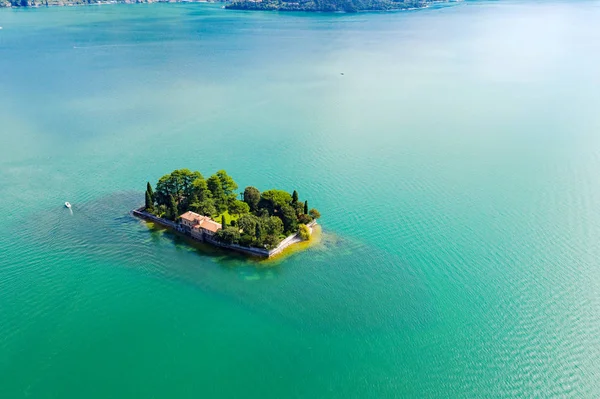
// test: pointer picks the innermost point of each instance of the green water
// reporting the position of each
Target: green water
(455, 162)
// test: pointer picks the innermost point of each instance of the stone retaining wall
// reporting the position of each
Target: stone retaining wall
(263, 253)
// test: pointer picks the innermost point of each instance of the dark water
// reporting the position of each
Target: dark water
(455, 162)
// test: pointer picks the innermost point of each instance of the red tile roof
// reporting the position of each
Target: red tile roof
(201, 222)
(191, 216)
(210, 225)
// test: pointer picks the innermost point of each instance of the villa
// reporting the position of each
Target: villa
(198, 226)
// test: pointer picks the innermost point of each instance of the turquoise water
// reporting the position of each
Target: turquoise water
(455, 162)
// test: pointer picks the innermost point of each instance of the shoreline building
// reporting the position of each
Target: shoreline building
(199, 226)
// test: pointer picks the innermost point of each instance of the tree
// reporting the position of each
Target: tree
(294, 197)
(161, 211)
(274, 226)
(228, 235)
(223, 221)
(251, 197)
(288, 217)
(303, 232)
(150, 191)
(149, 203)
(238, 207)
(314, 213)
(206, 207)
(259, 232)
(306, 207)
(270, 241)
(274, 199)
(298, 207)
(187, 180)
(200, 189)
(304, 218)
(164, 189)
(247, 223)
(227, 183)
(218, 195)
(172, 209)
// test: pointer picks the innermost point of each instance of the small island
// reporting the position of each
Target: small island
(208, 210)
(349, 6)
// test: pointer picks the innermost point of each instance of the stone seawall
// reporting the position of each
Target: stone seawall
(259, 252)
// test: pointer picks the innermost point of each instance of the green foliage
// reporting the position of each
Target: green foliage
(298, 208)
(304, 218)
(177, 183)
(200, 189)
(238, 207)
(270, 241)
(207, 207)
(303, 232)
(259, 233)
(227, 183)
(274, 226)
(274, 199)
(288, 217)
(248, 223)
(149, 205)
(252, 197)
(172, 212)
(314, 213)
(228, 235)
(260, 220)
(218, 195)
(246, 240)
(150, 191)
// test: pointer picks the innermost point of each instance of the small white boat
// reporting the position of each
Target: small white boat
(67, 205)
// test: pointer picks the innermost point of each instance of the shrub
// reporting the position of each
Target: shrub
(304, 232)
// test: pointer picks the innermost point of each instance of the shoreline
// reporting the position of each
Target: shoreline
(80, 3)
(264, 254)
(228, 5)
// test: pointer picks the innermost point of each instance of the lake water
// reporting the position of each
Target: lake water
(455, 163)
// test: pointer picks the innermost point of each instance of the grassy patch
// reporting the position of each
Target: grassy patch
(228, 217)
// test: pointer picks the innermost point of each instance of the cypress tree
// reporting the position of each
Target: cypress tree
(257, 231)
(294, 197)
(223, 221)
(150, 191)
(306, 207)
(173, 209)
(149, 202)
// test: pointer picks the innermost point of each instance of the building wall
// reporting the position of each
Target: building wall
(187, 223)
(197, 234)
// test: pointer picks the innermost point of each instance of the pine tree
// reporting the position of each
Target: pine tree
(294, 197)
(306, 207)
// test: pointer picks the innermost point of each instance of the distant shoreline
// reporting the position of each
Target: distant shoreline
(329, 6)
(72, 3)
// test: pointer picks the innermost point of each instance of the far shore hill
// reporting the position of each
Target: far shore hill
(64, 3)
(348, 6)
